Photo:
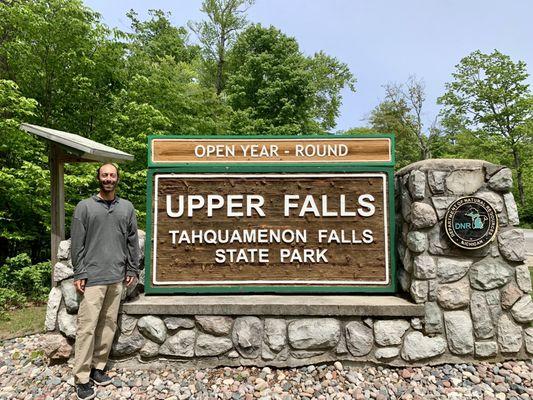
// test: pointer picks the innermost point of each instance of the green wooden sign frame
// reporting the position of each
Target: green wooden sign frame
(269, 168)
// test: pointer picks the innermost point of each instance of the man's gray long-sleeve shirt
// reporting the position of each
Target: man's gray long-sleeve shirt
(104, 244)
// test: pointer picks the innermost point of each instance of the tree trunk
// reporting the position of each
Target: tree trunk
(518, 167)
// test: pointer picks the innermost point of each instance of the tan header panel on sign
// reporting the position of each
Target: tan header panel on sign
(171, 151)
(272, 229)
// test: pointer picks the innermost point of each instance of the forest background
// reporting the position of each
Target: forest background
(63, 68)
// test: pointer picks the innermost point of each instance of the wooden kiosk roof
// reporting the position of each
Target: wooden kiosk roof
(84, 149)
(66, 147)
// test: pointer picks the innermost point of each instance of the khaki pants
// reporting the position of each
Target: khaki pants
(97, 322)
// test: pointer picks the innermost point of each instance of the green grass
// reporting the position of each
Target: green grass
(24, 321)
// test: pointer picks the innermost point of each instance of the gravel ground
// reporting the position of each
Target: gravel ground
(24, 374)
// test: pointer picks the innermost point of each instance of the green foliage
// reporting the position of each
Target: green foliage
(490, 99)
(9, 298)
(32, 282)
(274, 89)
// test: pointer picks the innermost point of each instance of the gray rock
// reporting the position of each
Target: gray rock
(528, 335)
(247, 336)
(67, 323)
(407, 261)
(433, 318)
(510, 295)
(127, 323)
(417, 241)
(63, 250)
(424, 267)
(209, 345)
(275, 333)
(386, 352)
(432, 289)
(509, 335)
(485, 309)
(494, 199)
(441, 204)
(181, 344)
(459, 332)
(523, 278)
(174, 323)
(359, 338)
(422, 215)
(502, 181)
(71, 296)
(390, 332)
(489, 273)
(464, 182)
(127, 345)
(486, 349)
(141, 235)
(512, 244)
(491, 169)
(417, 184)
(451, 269)
(436, 181)
(419, 291)
(217, 325)
(153, 328)
(314, 333)
(52, 308)
(416, 346)
(268, 354)
(149, 350)
(406, 206)
(522, 311)
(512, 210)
(341, 348)
(404, 278)
(62, 271)
(451, 296)
(301, 354)
(233, 354)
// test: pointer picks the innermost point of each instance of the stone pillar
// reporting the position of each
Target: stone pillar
(479, 300)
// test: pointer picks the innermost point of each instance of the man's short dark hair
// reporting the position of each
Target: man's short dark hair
(114, 165)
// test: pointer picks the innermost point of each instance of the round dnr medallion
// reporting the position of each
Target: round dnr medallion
(470, 222)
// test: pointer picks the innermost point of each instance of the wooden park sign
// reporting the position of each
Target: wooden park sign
(270, 214)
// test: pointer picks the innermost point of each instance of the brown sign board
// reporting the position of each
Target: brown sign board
(171, 151)
(248, 214)
(275, 229)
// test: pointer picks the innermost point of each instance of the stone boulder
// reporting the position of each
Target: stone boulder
(214, 324)
(181, 344)
(175, 323)
(390, 332)
(489, 273)
(71, 296)
(486, 310)
(459, 332)
(209, 345)
(502, 181)
(314, 333)
(56, 347)
(465, 182)
(422, 215)
(417, 241)
(454, 295)
(417, 347)
(247, 336)
(512, 244)
(522, 310)
(417, 184)
(451, 269)
(52, 308)
(153, 328)
(275, 334)
(62, 271)
(509, 335)
(67, 323)
(126, 345)
(359, 338)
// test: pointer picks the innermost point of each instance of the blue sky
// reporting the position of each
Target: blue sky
(381, 41)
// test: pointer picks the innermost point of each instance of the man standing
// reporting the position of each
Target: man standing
(104, 255)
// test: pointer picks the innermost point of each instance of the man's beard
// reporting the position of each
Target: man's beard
(113, 185)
